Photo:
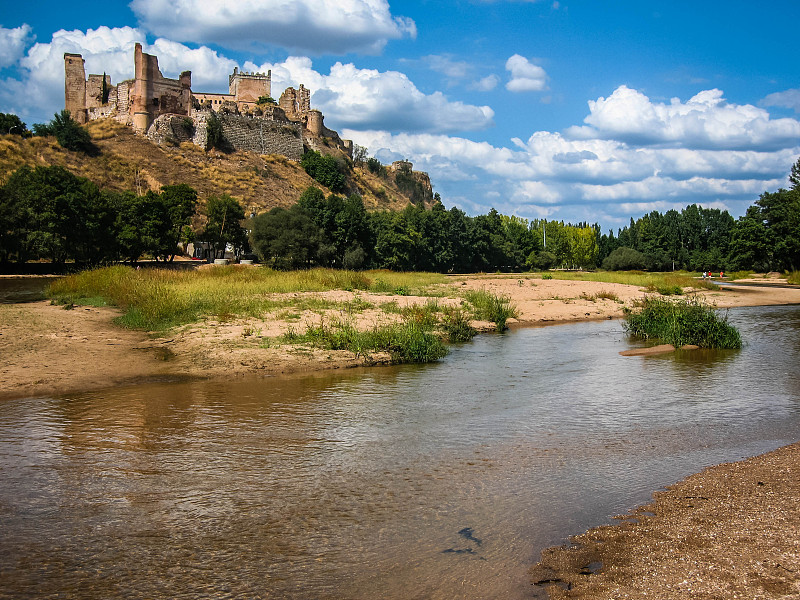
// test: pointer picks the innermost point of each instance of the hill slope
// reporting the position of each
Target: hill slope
(131, 162)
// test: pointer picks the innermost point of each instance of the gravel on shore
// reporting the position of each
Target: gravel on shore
(730, 531)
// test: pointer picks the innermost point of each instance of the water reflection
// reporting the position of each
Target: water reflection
(440, 481)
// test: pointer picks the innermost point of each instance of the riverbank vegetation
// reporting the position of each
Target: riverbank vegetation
(158, 300)
(682, 322)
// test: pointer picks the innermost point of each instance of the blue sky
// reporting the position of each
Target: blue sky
(570, 110)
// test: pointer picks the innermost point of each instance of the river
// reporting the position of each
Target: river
(435, 481)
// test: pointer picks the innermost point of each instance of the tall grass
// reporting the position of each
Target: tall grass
(793, 278)
(489, 307)
(157, 299)
(689, 321)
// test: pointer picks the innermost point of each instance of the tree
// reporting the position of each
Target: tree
(285, 239)
(624, 259)
(48, 212)
(359, 154)
(375, 167)
(68, 133)
(143, 224)
(780, 214)
(215, 136)
(751, 243)
(223, 225)
(10, 124)
(794, 175)
(180, 202)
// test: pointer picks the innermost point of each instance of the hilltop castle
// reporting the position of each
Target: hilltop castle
(168, 111)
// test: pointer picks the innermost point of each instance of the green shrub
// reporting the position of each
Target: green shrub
(324, 169)
(541, 261)
(689, 321)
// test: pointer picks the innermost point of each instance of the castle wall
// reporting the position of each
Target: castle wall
(263, 136)
(94, 90)
(215, 100)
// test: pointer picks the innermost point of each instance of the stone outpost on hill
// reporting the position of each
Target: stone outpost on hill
(168, 111)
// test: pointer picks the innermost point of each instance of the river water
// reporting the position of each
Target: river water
(436, 481)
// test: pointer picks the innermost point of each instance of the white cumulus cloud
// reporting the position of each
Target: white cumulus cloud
(704, 121)
(485, 84)
(13, 43)
(525, 75)
(355, 98)
(315, 26)
(592, 177)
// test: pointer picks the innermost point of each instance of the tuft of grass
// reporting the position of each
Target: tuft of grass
(689, 321)
(405, 342)
(793, 278)
(601, 295)
(489, 307)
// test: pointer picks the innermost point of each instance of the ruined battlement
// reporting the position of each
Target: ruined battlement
(166, 109)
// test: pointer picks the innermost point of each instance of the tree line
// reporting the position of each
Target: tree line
(49, 213)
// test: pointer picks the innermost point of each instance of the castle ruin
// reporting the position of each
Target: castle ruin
(168, 111)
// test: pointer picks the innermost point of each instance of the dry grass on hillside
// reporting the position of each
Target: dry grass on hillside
(131, 162)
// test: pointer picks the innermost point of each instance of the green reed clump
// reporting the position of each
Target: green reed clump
(149, 302)
(793, 278)
(689, 321)
(405, 342)
(455, 324)
(489, 307)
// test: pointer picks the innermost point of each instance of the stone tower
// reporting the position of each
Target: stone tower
(154, 94)
(249, 87)
(75, 87)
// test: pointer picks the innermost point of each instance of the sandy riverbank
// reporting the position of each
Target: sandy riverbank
(46, 349)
